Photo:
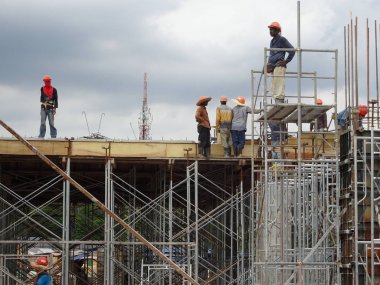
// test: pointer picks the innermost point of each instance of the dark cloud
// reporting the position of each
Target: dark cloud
(97, 52)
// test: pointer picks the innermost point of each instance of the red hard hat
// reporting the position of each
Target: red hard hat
(275, 25)
(42, 261)
(363, 110)
(223, 99)
(319, 101)
(46, 77)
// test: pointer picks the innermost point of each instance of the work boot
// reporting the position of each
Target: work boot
(207, 152)
(226, 152)
(240, 150)
(236, 152)
(201, 152)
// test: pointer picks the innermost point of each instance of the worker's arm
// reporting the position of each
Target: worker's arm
(286, 44)
(198, 115)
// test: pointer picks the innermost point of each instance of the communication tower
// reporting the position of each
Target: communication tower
(145, 119)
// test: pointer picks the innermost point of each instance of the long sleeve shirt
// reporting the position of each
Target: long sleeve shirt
(223, 117)
(201, 116)
(276, 56)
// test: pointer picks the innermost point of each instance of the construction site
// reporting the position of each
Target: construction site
(142, 211)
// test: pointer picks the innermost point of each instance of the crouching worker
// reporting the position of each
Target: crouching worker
(204, 127)
(41, 267)
(321, 125)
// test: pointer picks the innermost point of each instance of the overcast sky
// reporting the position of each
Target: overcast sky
(98, 50)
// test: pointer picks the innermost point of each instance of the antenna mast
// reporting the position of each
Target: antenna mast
(145, 119)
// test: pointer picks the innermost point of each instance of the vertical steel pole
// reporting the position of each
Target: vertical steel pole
(196, 246)
(377, 75)
(66, 226)
(171, 218)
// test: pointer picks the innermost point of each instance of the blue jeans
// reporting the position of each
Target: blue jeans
(238, 139)
(47, 113)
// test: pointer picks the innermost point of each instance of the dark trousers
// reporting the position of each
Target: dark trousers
(203, 137)
(238, 139)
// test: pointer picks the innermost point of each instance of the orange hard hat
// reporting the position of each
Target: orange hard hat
(223, 99)
(275, 25)
(239, 100)
(46, 77)
(363, 110)
(42, 261)
(202, 100)
(319, 101)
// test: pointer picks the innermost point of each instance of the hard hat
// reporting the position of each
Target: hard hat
(202, 100)
(223, 99)
(363, 110)
(319, 101)
(239, 100)
(42, 261)
(46, 77)
(275, 25)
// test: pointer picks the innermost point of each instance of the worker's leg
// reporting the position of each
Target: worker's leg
(277, 87)
(235, 141)
(207, 148)
(43, 123)
(241, 143)
(275, 138)
(204, 141)
(225, 137)
(53, 130)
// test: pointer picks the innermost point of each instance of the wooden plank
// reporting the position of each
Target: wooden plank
(48, 147)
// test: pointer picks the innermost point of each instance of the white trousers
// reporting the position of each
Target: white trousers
(277, 87)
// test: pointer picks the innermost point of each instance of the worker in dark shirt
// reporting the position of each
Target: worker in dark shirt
(277, 62)
(49, 104)
(277, 66)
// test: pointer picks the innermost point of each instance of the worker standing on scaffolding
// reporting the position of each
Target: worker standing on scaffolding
(204, 127)
(277, 66)
(223, 125)
(49, 104)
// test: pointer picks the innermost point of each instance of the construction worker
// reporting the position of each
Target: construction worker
(239, 124)
(49, 104)
(277, 66)
(223, 125)
(204, 127)
(277, 62)
(321, 120)
(363, 110)
(41, 266)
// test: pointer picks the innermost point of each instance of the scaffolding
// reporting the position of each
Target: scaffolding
(297, 210)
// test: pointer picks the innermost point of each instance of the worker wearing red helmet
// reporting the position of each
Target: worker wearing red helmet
(49, 104)
(223, 125)
(321, 124)
(41, 266)
(363, 110)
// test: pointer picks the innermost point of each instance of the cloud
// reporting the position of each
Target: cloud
(97, 52)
